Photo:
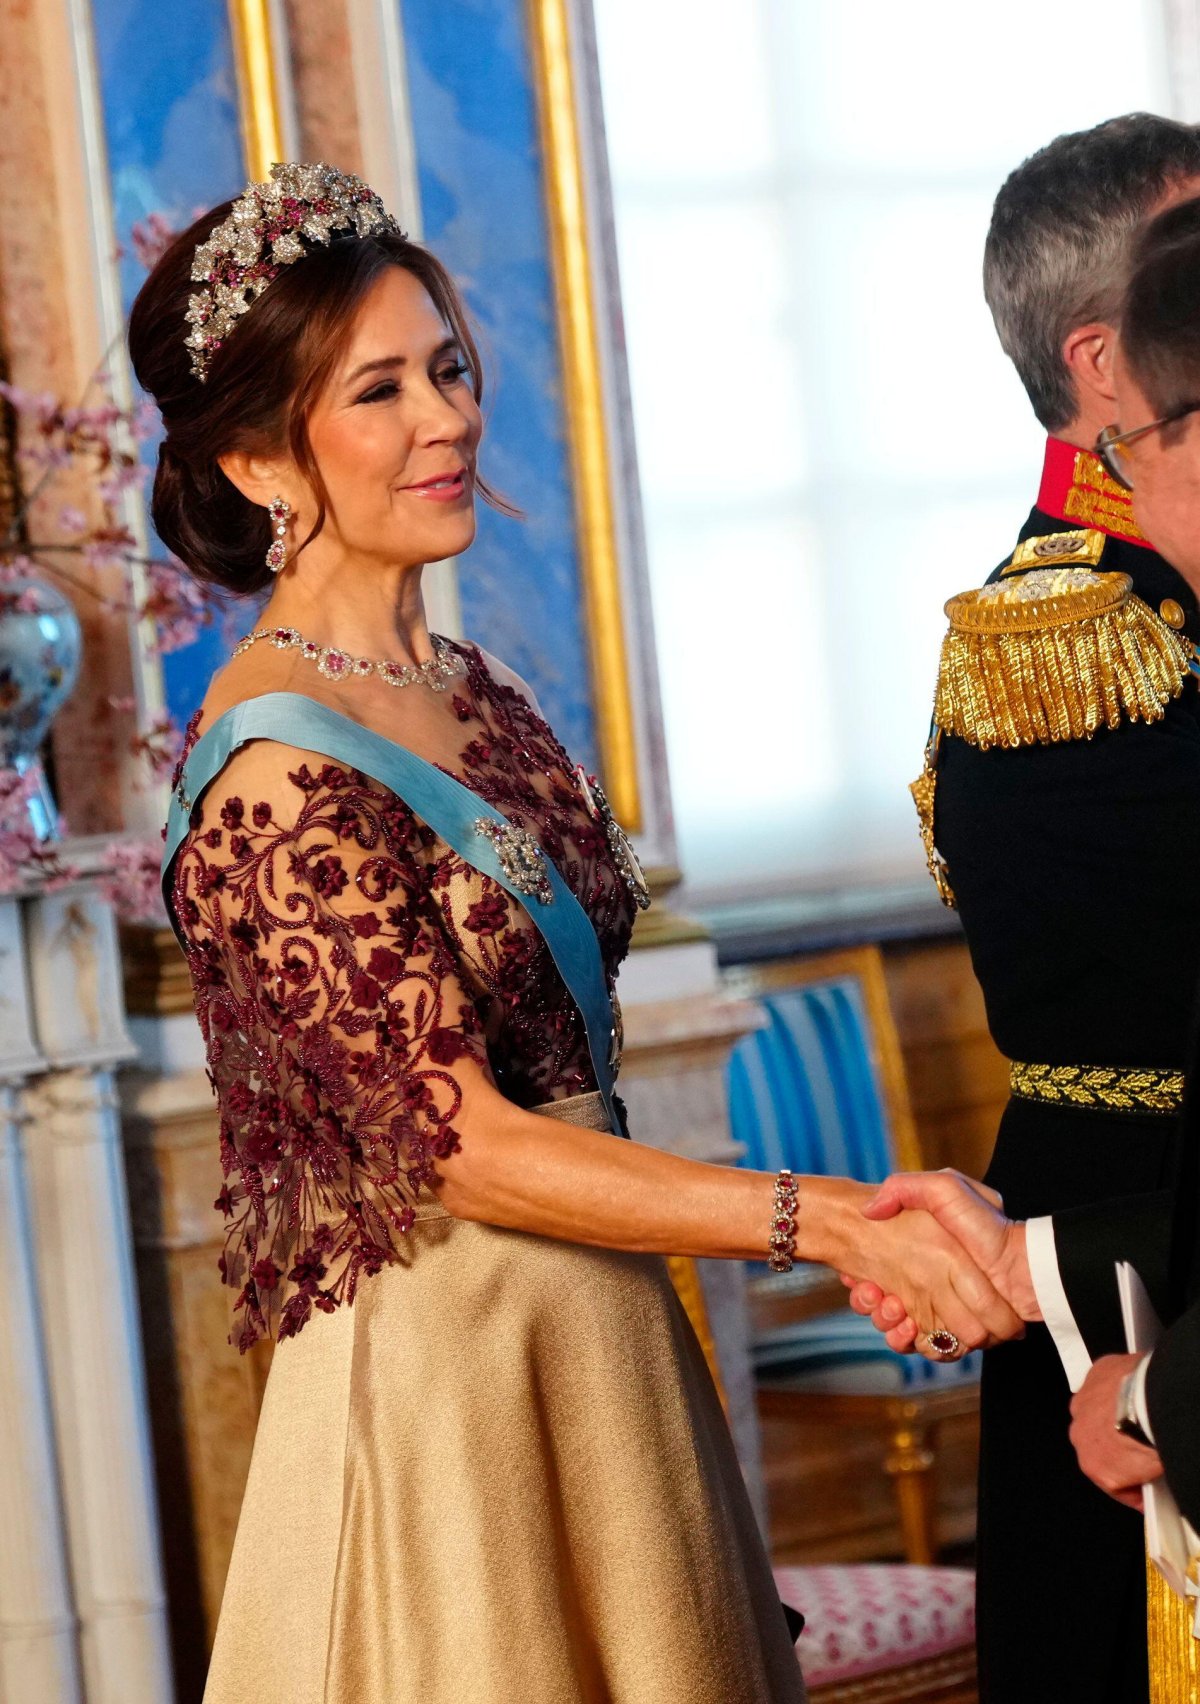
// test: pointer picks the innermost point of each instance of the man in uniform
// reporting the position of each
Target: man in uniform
(1061, 810)
(1135, 1417)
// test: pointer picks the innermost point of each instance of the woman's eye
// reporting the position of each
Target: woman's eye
(452, 374)
(381, 392)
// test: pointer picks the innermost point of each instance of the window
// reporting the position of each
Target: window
(831, 440)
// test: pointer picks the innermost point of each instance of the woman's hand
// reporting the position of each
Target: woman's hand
(910, 1256)
(973, 1215)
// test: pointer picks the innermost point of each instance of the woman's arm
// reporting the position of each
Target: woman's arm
(525, 1172)
(307, 890)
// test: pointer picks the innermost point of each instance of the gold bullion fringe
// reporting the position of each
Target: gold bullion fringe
(1061, 681)
(1112, 1088)
(924, 796)
(1174, 1649)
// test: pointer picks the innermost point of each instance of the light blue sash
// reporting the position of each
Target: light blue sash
(444, 804)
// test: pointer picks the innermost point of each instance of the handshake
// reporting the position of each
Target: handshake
(969, 1276)
(946, 1287)
(966, 1282)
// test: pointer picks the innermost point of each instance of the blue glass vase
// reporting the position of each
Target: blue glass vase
(40, 648)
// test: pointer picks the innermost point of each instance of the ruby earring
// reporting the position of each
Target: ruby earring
(280, 511)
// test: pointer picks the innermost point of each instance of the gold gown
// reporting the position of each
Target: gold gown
(503, 1475)
(489, 1466)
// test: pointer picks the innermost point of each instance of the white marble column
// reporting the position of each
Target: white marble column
(38, 1630)
(75, 1213)
(38, 1655)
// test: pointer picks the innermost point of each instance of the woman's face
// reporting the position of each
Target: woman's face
(396, 432)
(1166, 476)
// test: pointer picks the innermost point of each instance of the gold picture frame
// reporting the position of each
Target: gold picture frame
(584, 398)
(259, 107)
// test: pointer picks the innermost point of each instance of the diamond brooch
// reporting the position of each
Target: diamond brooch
(619, 844)
(521, 858)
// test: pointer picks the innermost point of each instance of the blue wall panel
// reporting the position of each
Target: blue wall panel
(475, 122)
(169, 97)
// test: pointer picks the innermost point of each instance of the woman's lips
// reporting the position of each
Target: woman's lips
(449, 488)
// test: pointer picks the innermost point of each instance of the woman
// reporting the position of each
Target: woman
(503, 1471)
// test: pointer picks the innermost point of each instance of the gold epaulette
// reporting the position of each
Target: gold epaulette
(1055, 653)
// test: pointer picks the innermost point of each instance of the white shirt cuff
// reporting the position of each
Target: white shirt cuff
(1047, 1283)
(1138, 1392)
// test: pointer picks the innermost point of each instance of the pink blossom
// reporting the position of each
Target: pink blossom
(143, 422)
(151, 237)
(41, 406)
(49, 457)
(59, 875)
(104, 551)
(18, 843)
(176, 604)
(71, 519)
(160, 746)
(118, 480)
(132, 884)
(98, 420)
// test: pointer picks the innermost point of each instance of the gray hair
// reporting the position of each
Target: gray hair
(1058, 246)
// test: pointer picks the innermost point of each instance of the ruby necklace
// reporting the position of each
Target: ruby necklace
(443, 667)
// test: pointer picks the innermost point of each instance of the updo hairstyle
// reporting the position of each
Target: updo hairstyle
(261, 386)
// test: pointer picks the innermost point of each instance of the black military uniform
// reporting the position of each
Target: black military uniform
(1062, 793)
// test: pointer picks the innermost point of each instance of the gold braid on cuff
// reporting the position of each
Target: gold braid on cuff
(1107, 1088)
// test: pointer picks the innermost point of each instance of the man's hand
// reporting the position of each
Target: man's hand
(972, 1214)
(1117, 1464)
(908, 1255)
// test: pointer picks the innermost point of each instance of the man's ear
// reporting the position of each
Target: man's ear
(259, 478)
(1087, 353)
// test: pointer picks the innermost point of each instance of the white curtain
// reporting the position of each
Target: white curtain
(831, 441)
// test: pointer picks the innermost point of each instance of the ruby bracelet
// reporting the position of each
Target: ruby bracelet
(782, 1245)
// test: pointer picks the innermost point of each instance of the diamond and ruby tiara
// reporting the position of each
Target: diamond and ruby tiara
(262, 235)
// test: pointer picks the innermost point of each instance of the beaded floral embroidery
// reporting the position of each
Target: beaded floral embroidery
(350, 973)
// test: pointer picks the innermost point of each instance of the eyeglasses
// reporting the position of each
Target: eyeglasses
(1112, 445)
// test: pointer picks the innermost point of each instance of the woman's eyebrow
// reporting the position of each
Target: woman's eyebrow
(385, 361)
(377, 366)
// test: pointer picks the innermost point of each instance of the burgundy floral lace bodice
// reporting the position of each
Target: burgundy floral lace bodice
(352, 974)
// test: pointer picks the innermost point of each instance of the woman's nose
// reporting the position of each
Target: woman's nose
(442, 421)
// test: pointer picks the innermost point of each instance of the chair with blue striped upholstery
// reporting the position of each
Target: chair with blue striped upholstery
(821, 1088)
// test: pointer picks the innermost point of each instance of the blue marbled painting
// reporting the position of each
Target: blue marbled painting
(482, 201)
(169, 98)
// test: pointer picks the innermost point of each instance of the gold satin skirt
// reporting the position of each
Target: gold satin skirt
(503, 1475)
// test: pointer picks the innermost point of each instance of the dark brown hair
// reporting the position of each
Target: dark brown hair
(261, 387)
(1160, 322)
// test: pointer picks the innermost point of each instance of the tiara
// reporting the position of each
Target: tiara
(262, 235)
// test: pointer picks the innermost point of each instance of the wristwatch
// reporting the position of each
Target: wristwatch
(1127, 1421)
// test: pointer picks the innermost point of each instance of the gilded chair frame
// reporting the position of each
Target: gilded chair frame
(907, 1420)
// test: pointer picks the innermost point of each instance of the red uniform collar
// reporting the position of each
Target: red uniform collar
(1076, 487)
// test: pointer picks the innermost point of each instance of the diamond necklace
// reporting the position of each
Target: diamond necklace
(440, 669)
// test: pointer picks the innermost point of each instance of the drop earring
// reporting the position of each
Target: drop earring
(280, 511)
